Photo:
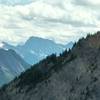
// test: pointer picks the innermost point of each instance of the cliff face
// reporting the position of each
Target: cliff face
(74, 75)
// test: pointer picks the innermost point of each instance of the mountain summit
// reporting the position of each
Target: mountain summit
(35, 49)
(74, 75)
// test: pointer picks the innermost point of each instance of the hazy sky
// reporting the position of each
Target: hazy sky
(59, 20)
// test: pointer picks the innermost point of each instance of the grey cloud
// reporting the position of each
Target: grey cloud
(46, 21)
(87, 3)
(15, 2)
(81, 2)
(70, 22)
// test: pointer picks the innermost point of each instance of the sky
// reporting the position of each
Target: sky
(59, 20)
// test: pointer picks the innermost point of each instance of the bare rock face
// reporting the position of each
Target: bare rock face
(74, 75)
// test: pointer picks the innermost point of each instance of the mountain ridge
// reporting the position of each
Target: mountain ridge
(35, 49)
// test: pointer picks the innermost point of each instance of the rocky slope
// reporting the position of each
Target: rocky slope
(74, 75)
(11, 65)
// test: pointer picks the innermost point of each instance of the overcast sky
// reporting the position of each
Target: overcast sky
(59, 20)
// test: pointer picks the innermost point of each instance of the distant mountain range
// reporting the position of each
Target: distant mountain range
(11, 65)
(35, 49)
(74, 75)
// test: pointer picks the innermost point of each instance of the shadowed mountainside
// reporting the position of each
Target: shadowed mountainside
(11, 65)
